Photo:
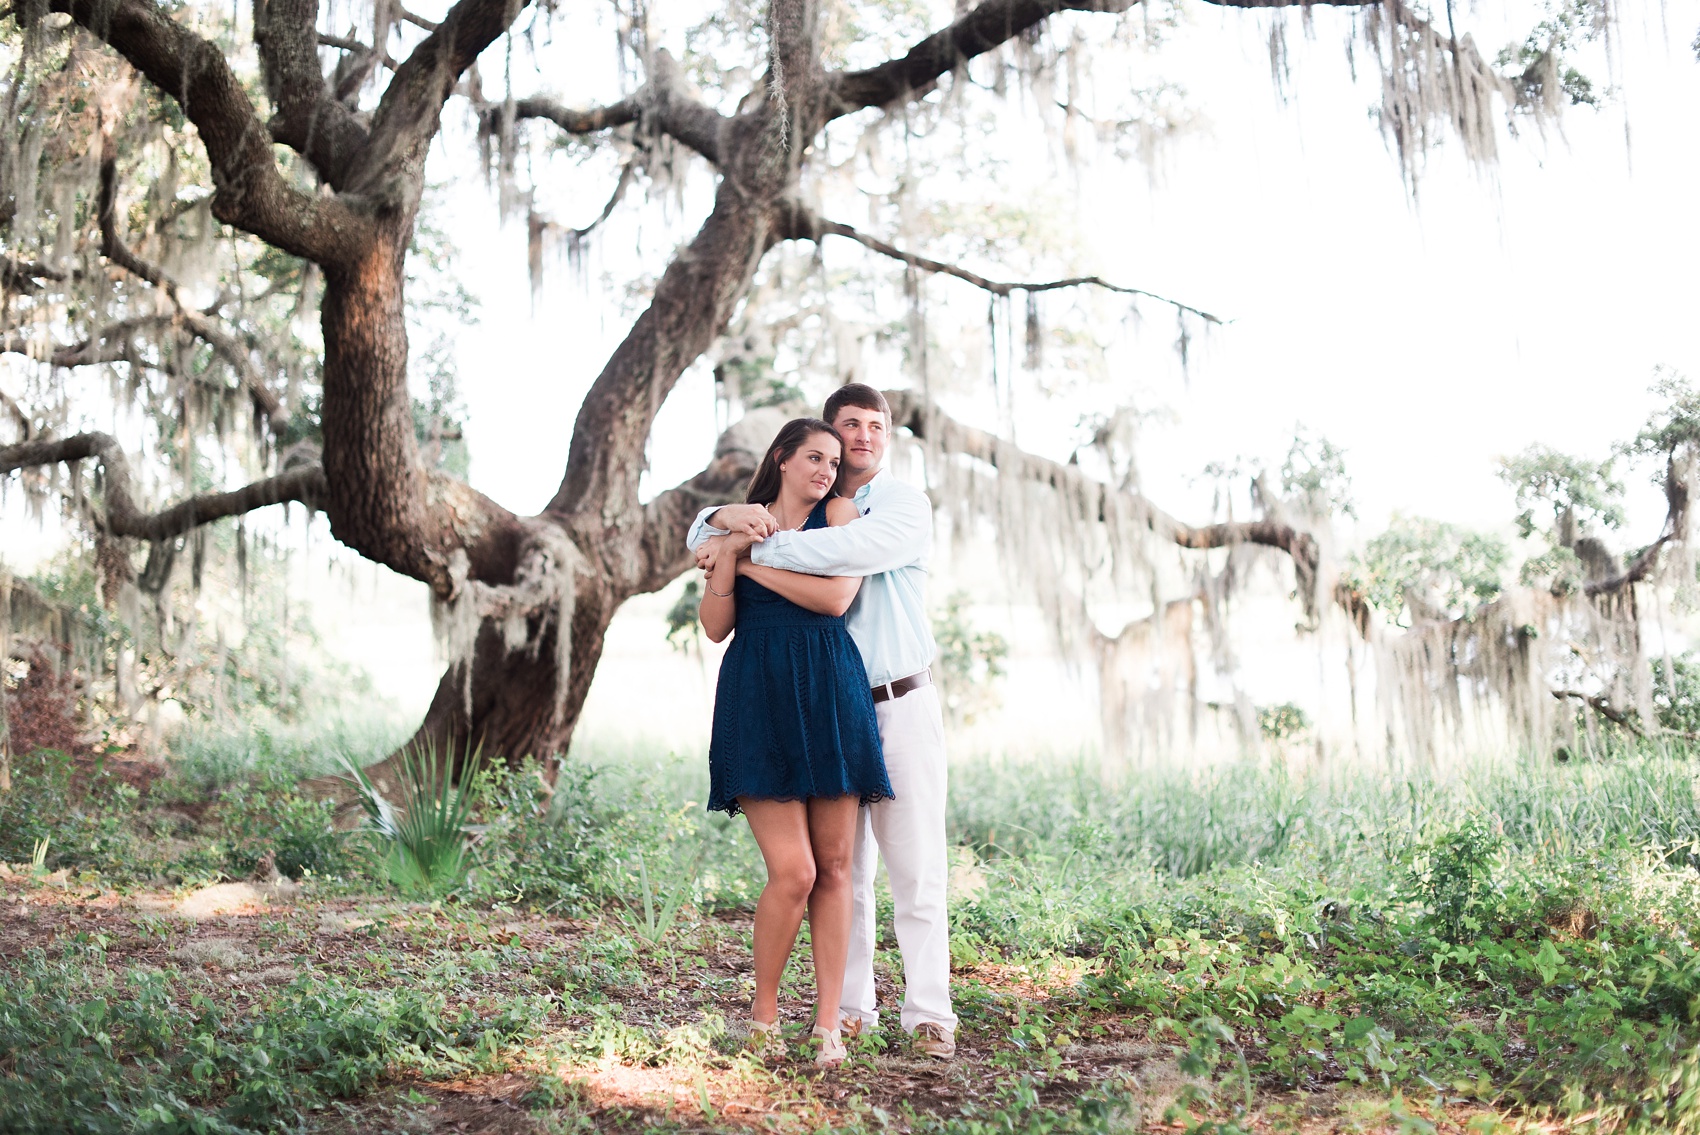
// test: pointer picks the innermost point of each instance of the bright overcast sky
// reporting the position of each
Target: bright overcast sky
(1527, 303)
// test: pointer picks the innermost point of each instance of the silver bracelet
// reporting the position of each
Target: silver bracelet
(713, 592)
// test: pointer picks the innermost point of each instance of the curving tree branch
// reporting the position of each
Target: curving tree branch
(200, 323)
(305, 485)
(928, 422)
(249, 189)
(663, 105)
(984, 27)
(411, 109)
(306, 116)
(25, 276)
(1639, 569)
(805, 225)
(669, 515)
(110, 344)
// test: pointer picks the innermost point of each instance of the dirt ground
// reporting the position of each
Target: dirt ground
(238, 940)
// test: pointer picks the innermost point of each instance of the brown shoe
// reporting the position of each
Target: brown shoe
(935, 1040)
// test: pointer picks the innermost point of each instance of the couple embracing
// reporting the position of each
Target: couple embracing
(827, 731)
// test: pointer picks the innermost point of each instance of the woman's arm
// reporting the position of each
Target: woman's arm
(718, 610)
(824, 594)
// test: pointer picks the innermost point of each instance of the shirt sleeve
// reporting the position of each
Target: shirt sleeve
(897, 533)
(701, 530)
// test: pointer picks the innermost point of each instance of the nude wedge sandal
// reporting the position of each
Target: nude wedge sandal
(763, 1036)
(832, 1051)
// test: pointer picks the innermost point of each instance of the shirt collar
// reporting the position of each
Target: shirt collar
(862, 493)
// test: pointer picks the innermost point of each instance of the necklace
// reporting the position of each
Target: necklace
(790, 527)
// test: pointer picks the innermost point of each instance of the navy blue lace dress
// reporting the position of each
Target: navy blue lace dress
(793, 713)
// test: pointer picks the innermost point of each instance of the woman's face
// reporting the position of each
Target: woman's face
(811, 471)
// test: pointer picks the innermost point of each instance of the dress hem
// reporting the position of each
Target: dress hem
(732, 807)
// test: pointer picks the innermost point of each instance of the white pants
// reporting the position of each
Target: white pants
(909, 831)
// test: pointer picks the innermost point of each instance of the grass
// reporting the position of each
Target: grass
(1217, 951)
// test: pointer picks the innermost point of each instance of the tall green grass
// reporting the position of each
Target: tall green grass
(1183, 823)
(206, 757)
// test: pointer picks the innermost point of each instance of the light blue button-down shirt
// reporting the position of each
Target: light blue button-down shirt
(889, 547)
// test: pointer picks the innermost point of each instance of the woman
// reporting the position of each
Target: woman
(795, 745)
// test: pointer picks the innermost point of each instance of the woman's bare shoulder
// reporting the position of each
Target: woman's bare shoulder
(841, 510)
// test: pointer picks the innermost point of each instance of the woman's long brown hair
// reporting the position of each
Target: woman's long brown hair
(764, 486)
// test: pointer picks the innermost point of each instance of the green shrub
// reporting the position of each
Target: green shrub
(85, 820)
(271, 816)
(1676, 693)
(87, 1049)
(543, 846)
(1456, 878)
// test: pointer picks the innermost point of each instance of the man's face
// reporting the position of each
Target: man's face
(863, 432)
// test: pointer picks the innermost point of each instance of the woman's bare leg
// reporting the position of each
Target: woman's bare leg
(832, 835)
(781, 828)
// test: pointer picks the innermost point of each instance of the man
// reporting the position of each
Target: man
(889, 546)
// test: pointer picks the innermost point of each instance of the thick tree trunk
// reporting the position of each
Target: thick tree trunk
(376, 497)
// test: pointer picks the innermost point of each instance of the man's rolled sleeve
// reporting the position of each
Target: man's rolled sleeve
(896, 535)
(701, 530)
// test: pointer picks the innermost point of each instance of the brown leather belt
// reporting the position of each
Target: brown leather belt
(902, 686)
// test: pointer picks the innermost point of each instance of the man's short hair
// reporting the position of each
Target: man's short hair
(855, 394)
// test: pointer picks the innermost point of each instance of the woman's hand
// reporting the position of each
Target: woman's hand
(735, 544)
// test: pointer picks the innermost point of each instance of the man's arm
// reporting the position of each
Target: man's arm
(896, 534)
(701, 529)
(751, 519)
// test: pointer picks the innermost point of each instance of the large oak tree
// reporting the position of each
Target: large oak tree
(297, 162)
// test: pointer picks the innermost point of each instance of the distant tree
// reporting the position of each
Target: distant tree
(1569, 503)
(1427, 570)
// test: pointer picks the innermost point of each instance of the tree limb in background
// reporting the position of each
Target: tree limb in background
(663, 104)
(110, 344)
(1602, 706)
(123, 518)
(670, 513)
(984, 28)
(112, 246)
(1639, 569)
(411, 107)
(804, 225)
(25, 276)
(931, 424)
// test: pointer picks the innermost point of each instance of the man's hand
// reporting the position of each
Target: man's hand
(736, 544)
(752, 520)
